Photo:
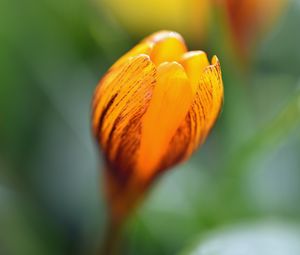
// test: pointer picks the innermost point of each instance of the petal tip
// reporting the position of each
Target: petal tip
(141, 56)
(172, 66)
(215, 60)
(164, 34)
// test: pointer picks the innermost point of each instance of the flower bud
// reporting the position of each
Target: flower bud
(250, 19)
(151, 111)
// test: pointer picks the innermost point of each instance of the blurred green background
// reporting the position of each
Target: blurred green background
(239, 194)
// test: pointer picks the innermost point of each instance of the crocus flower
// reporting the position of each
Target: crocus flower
(151, 111)
(250, 19)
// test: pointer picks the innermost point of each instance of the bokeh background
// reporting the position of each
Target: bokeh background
(239, 194)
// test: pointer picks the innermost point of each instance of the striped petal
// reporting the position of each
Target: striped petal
(207, 102)
(124, 97)
(141, 48)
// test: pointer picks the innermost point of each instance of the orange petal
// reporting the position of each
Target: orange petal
(208, 98)
(168, 47)
(124, 97)
(213, 76)
(194, 63)
(161, 35)
(207, 102)
(171, 99)
(141, 48)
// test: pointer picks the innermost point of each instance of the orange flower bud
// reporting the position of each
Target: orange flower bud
(249, 20)
(151, 110)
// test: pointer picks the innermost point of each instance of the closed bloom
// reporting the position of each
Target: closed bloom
(250, 19)
(151, 110)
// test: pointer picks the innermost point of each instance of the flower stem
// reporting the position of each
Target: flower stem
(112, 238)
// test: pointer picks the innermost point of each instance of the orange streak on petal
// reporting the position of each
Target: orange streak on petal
(214, 77)
(121, 95)
(102, 95)
(207, 102)
(172, 97)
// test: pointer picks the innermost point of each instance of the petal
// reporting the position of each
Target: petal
(207, 103)
(213, 76)
(161, 35)
(141, 48)
(171, 100)
(124, 98)
(208, 97)
(168, 46)
(178, 147)
(194, 63)
(161, 47)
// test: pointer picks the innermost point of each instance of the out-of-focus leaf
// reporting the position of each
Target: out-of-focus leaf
(272, 183)
(23, 230)
(228, 191)
(269, 137)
